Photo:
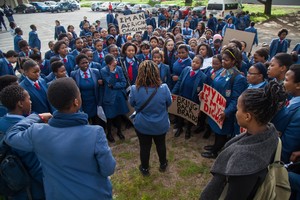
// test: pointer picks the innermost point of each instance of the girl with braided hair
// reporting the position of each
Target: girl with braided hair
(151, 121)
(243, 164)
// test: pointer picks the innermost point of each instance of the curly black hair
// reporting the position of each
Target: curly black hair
(11, 95)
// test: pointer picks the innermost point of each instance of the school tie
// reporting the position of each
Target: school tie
(192, 73)
(130, 71)
(9, 64)
(170, 54)
(85, 75)
(37, 86)
(147, 57)
(100, 56)
(65, 60)
(117, 76)
(180, 60)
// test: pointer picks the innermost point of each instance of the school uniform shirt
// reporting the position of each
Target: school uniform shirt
(17, 39)
(34, 41)
(98, 57)
(143, 57)
(190, 83)
(278, 46)
(286, 121)
(69, 63)
(114, 96)
(28, 159)
(58, 30)
(130, 70)
(6, 68)
(38, 95)
(91, 93)
(165, 74)
(154, 118)
(75, 157)
(231, 90)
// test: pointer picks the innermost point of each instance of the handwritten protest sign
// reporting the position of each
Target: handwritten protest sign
(212, 103)
(132, 23)
(185, 108)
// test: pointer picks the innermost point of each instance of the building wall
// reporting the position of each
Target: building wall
(12, 3)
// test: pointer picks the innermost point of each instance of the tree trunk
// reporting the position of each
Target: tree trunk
(268, 7)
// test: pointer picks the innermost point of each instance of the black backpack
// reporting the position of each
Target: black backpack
(14, 178)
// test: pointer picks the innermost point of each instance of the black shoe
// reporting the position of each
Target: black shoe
(120, 135)
(175, 126)
(206, 134)
(187, 134)
(163, 167)
(110, 138)
(145, 172)
(178, 132)
(208, 147)
(199, 129)
(209, 154)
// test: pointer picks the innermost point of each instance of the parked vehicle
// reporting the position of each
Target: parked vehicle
(144, 7)
(76, 4)
(220, 8)
(40, 6)
(121, 6)
(25, 8)
(185, 11)
(63, 6)
(96, 6)
(200, 11)
(104, 6)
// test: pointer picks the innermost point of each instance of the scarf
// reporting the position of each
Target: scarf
(62, 120)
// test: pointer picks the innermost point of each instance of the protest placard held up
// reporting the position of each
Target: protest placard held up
(132, 23)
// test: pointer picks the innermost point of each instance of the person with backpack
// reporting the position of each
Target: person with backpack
(243, 164)
(74, 155)
(17, 101)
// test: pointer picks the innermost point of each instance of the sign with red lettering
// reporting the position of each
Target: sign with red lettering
(212, 103)
(184, 108)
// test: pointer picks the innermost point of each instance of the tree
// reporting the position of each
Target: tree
(268, 6)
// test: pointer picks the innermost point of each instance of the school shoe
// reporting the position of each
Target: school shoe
(208, 147)
(209, 154)
(110, 138)
(199, 129)
(163, 167)
(187, 134)
(145, 172)
(120, 135)
(178, 132)
(206, 134)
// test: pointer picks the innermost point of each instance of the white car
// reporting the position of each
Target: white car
(104, 6)
(121, 6)
(144, 7)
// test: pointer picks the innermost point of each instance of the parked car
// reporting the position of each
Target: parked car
(185, 11)
(76, 4)
(40, 6)
(200, 11)
(121, 6)
(50, 3)
(25, 8)
(158, 7)
(63, 6)
(96, 6)
(144, 7)
(104, 6)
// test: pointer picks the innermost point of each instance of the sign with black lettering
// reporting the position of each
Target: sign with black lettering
(132, 23)
(184, 108)
(212, 103)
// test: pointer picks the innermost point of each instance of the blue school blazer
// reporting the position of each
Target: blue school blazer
(58, 30)
(34, 41)
(5, 69)
(274, 46)
(96, 57)
(70, 64)
(39, 104)
(200, 79)
(17, 39)
(165, 74)
(95, 74)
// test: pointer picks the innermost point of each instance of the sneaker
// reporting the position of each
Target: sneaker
(163, 167)
(145, 172)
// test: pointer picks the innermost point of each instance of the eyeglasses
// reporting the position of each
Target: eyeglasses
(250, 73)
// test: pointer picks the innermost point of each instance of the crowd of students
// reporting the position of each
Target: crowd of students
(105, 65)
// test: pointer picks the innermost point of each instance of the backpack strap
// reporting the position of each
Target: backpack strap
(278, 151)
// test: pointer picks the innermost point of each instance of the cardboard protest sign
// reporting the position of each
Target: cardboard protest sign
(132, 23)
(239, 35)
(184, 108)
(212, 103)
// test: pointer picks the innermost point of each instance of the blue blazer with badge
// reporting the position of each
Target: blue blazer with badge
(275, 44)
(17, 39)
(5, 69)
(38, 98)
(95, 74)
(287, 121)
(96, 57)
(200, 79)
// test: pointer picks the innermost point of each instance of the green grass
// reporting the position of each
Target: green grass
(257, 11)
(188, 168)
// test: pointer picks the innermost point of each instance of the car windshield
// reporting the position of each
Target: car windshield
(214, 7)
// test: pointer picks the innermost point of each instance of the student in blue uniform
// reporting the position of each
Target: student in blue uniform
(257, 76)
(17, 101)
(187, 32)
(114, 96)
(89, 54)
(183, 61)
(251, 29)
(164, 70)
(80, 159)
(229, 24)
(58, 29)
(61, 49)
(6, 63)
(43, 64)
(85, 31)
(129, 63)
(50, 53)
(145, 51)
(110, 17)
(17, 38)
(151, 21)
(34, 41)
(25, 50)
(280, 44)
(5, 81)
(230, 84)
(36, 87)
(169, 53)
(98, 55)
(78, 47)
(88, 82)
(189, 84)
(59, 70)
(279, 65)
